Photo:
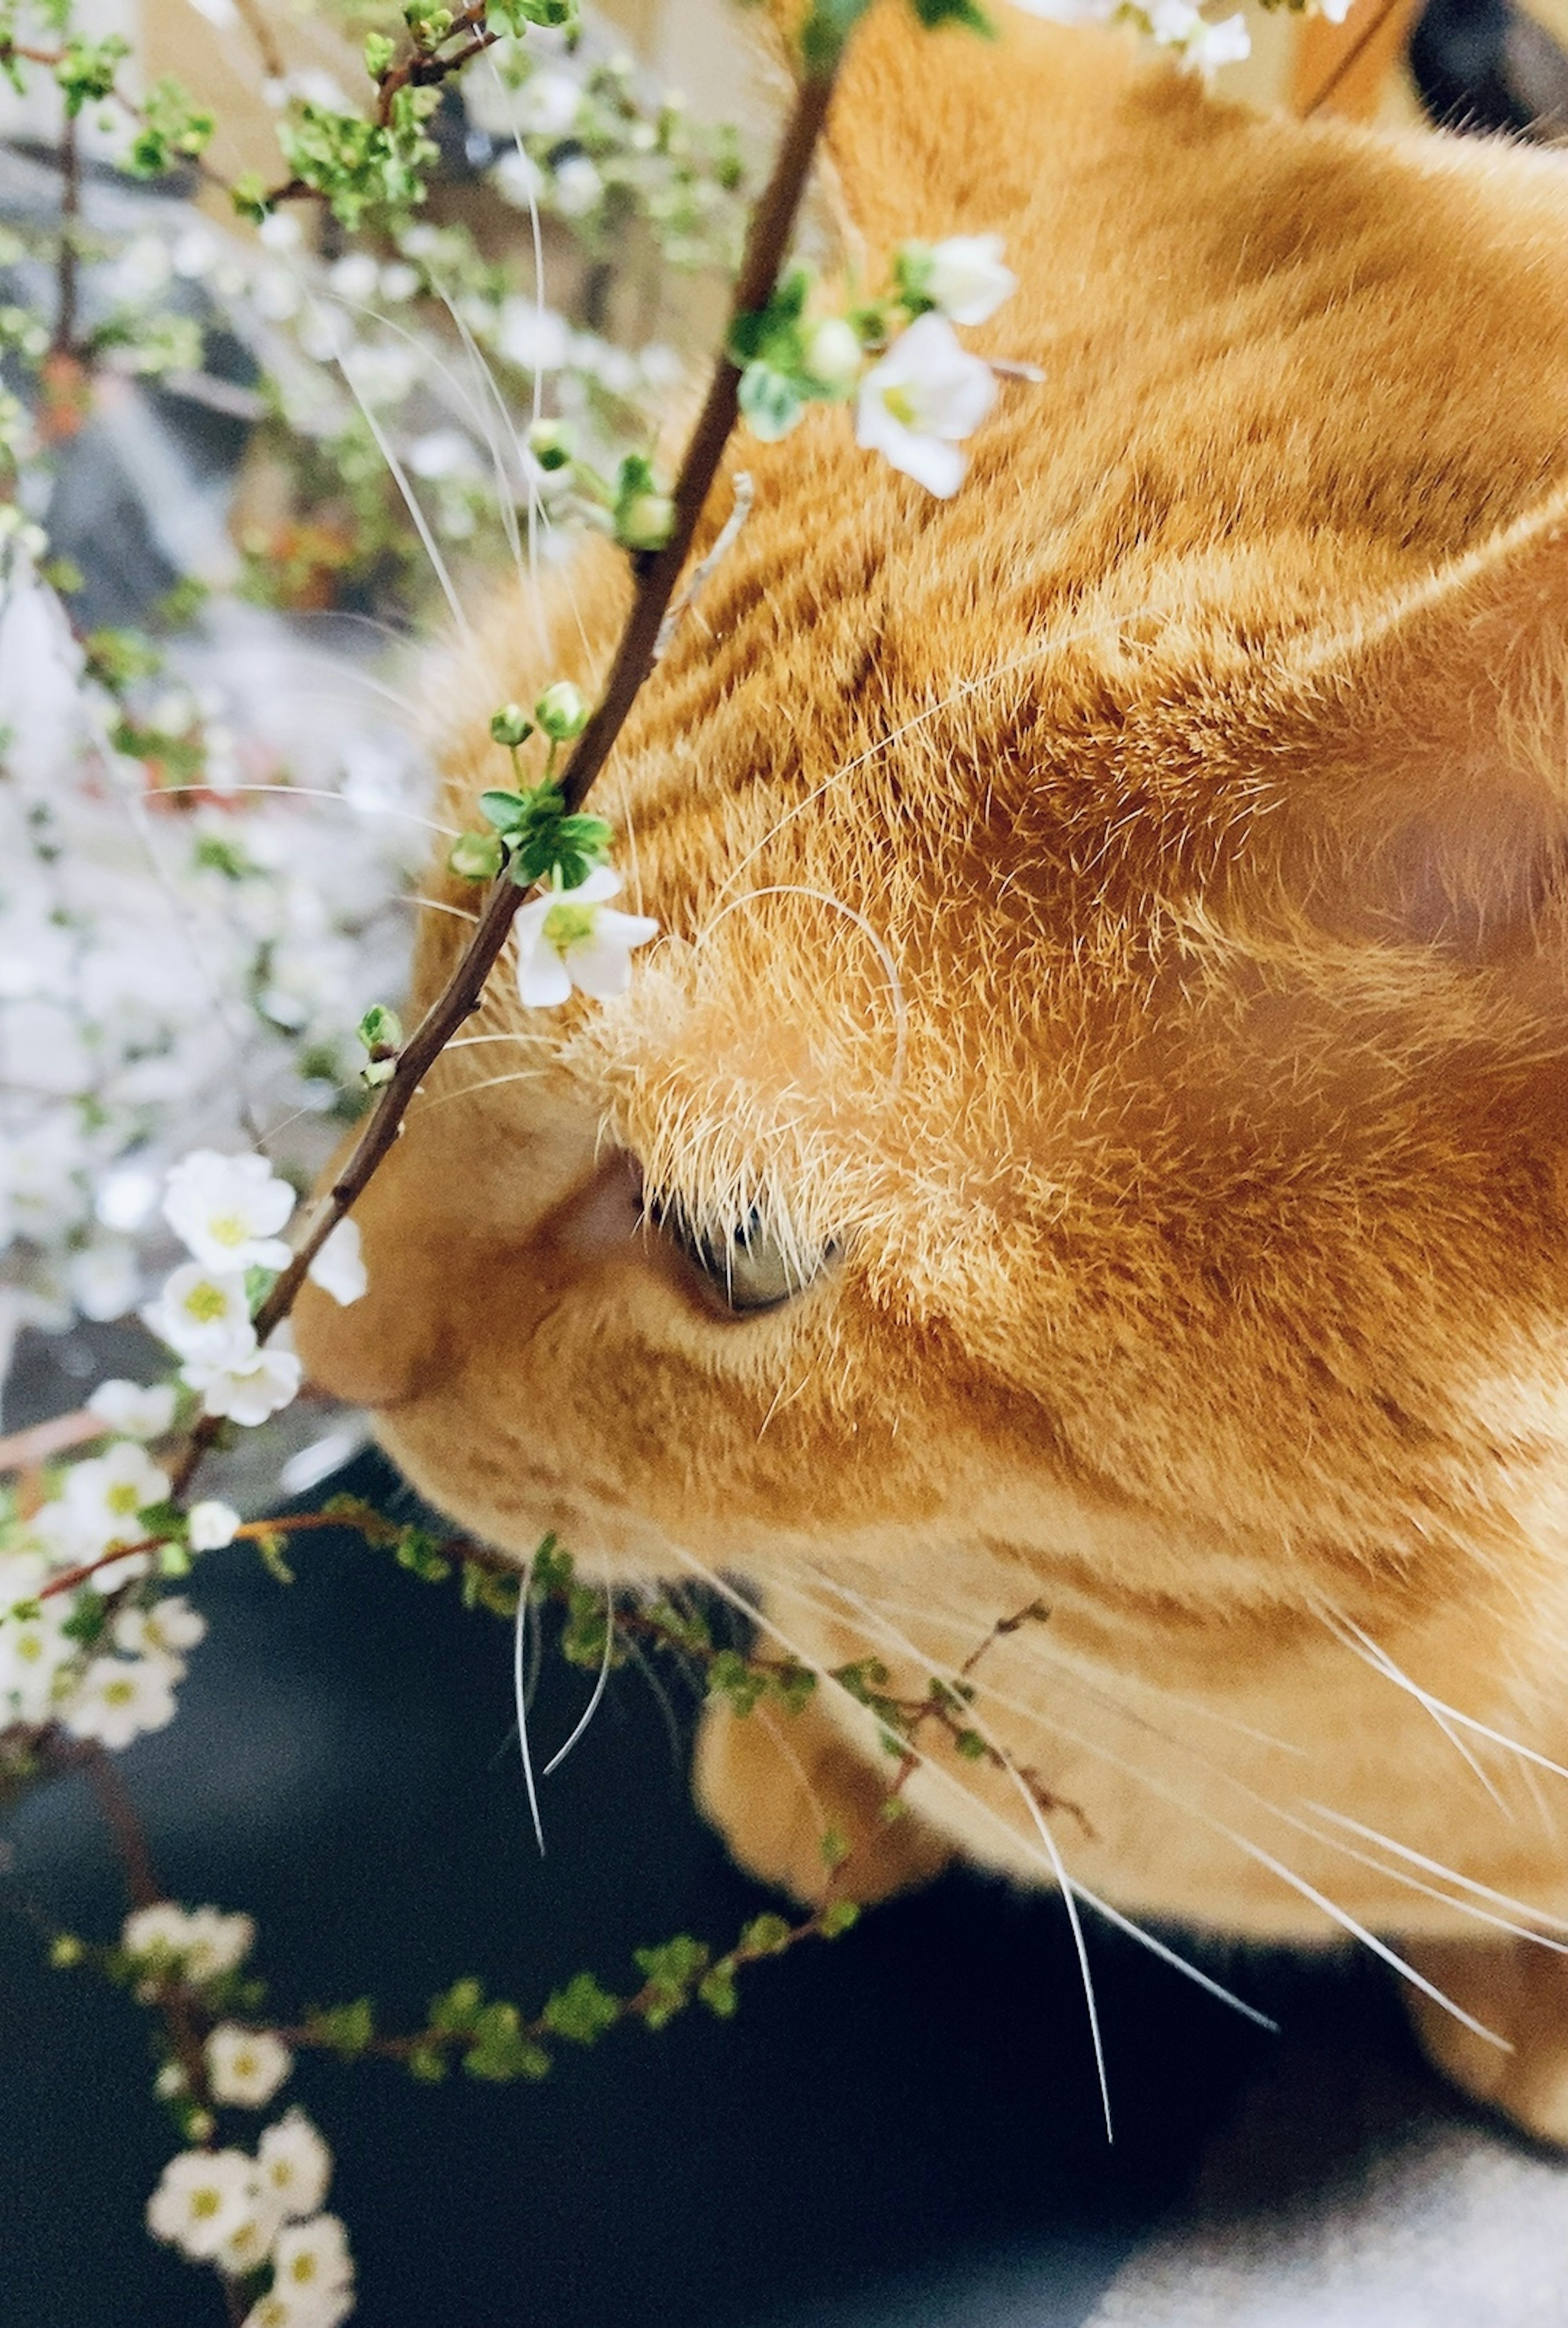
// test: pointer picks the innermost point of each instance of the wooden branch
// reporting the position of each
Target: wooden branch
(658, 573)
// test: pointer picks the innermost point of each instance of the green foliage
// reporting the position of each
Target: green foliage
(345, 2029)
(415, 1550)
(87, 69)
(766, 1936)
(88, 1618)
(501, 2049)
(543, 840)
(837, 1917)
(672, 1976)
(174, 129)
(476, 857)
(582, 2011)
(363, 169)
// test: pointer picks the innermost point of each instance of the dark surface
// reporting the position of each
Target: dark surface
(902, 2127)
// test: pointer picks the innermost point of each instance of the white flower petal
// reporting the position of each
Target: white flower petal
(338, 1268)
(542, 979)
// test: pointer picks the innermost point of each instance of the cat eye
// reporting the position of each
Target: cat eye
(745, 1272)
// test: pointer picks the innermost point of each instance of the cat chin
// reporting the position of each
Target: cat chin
(615, 1547)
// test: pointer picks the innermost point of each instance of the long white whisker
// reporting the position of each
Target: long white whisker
(1382, 1663)
(873, 936)
(1254, 1851)
(945, 1777)
(1434, 1866)
(558, 1757)
(470, 1091)
(1441, 1705)
(421, 523)
(519, 1691)
(319, 793)
(1063, 1883)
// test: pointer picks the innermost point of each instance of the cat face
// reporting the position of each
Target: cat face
(1099, 1094)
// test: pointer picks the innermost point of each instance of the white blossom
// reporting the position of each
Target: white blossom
(216, 1943)
(1227, 43)
(105, 1277)
(203, 1314)
(917, 405)
(246, 1389)
(103, 1498)
(164, 1631)
(833, 353)
(312, 2257)
(35, 1652)
(133, 1412)
(119, 1699)
(40, 664)
(227, 1210)
(338, 1268)
(965, 277)
(209, 1525)
(545, 105)
(294, 2164)
(202, 2200)
(579, 187)
(572, 937)
(246, 2066)
(156, 1933)
(246, 2249)
(532, 337)
(299, 2308)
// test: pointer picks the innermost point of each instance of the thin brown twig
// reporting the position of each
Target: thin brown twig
(658, 574)
(1350, 57)
(66, 263)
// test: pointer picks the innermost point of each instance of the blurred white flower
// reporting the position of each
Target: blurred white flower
(202, 2200)
(312, 2257)
(134, 1412)
(246, 2066)
(157, 1933)
(338, 1268)
(917, 405)
(294, 2164)
(246, 1389)
(41, 666)
(443, 453)
(211, 1525)
(227, 1210)
(545, 105)
(518, 179)
(205, 1940)
(532, 337)
(164, 1631)
(1213, 46)
(246, 2249)
(298, 2308)
(572, 937)
(579, 187)
(202, 1313)
(35, 1652)
(965, 277)
(356, 277)
(119, 1699)
(105, 1278)
(103, 1498)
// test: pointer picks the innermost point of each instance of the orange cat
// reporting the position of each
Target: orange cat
(1114, 988)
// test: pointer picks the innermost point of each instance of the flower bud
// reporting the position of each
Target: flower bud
(646, 521)
(561, 712)
(510, 726)
(474, 857)
(833, 354)
(552, 444)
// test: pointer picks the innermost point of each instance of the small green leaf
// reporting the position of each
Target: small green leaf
(838, 1916)
(582, 2011)
(476, 857)
(346, 2029)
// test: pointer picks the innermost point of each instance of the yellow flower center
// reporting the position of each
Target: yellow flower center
(566, 926)
(228, 1228)
(205, 2202)
(900, 405)
(206, 1302)
(118, 1693)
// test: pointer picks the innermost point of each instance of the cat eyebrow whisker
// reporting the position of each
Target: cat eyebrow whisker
(959, 694)
(872, 935)
(400, 477)
(470, 1091)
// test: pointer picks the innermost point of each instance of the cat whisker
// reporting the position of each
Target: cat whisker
(438, 906)
(1383, 1663)
(520, 1691)
(1254, 1850)
(319, 793)
(558, 1757)
(470, 1091)
(873, 936)
(1434, 1866)
(758, 1617)
(410, 498)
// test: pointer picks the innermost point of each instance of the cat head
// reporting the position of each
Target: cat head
(1099, 1092)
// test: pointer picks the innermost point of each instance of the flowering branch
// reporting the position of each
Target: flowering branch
(658, 574)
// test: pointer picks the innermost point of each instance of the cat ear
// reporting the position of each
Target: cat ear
(1419, 790)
